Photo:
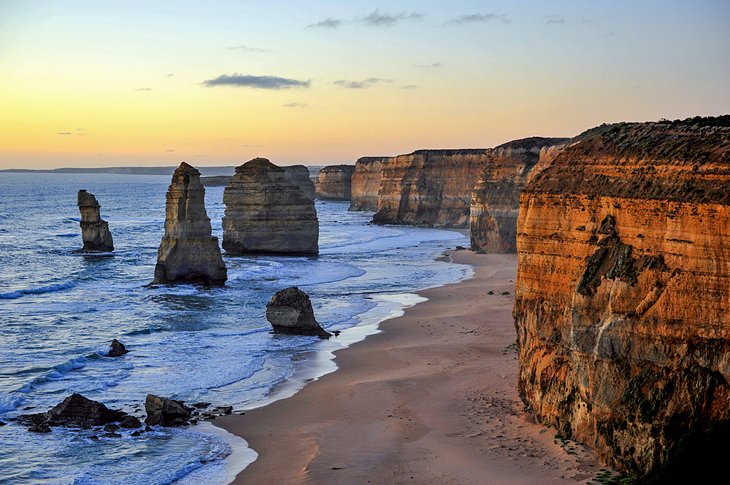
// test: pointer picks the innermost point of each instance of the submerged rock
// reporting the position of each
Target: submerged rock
(165, 412)
(267, 213)
(94, 231)
(290, 312)
(117, 349)
(188, 252)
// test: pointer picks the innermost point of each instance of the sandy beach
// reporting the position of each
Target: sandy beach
(431, 399)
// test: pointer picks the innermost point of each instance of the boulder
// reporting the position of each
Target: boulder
(165, 412)
(117, 349)
(290, 312)
(94, 231)
(267, 213)
(75, 411)
(130, 422)
(188, 252)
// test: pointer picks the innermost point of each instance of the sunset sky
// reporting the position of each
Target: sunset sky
(102, 83)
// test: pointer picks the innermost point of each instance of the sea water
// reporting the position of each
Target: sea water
(60, 309)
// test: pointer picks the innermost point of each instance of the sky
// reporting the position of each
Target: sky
(92, 83)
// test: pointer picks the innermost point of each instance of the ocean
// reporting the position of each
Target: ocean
(60, 309)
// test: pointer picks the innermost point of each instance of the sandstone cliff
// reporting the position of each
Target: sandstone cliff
(299, 175)
(216, 180)
(366, 183)
(266, 213)
(622, 303)
(188, 252)
(495, 200)
(429, 187)
(335, 182)
(94, 231)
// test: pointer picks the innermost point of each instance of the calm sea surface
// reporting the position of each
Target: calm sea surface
(59, 310)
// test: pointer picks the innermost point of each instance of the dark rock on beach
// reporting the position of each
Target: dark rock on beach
(117, 349)
(165, 412)
(290, 312)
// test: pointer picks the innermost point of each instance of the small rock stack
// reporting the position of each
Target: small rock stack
(94, 231)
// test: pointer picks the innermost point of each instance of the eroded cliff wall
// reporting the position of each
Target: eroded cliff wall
(429, 187)
(495, 200)
(335, 182)
(622, 306)
(366, 183)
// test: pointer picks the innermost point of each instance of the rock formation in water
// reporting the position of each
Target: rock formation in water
(335, 182)
(429, 187)
(188, 252)
(75, 411)
(266, 213)
(366, 183)
(622, 307)
(117, 349)
(94, 231)
(299, 175)
(290, 312)
(495, 200)
(165, 412)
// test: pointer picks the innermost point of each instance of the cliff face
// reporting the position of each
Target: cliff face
(94, 230)
(188, 252)
(299, 175)
(429, 187)
(335, 182)
(622, 303)
(495, 200)
(366, 183)
(266, 213)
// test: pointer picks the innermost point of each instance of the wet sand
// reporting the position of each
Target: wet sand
(431, 399)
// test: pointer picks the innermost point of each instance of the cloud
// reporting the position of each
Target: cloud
(170, 74)
(432, 65)
(170, 151)
(64, 133)
(328, 23)
(365, 83)
(554, 20)
(410, 86)
(143, 89)
(295, 105)
(247, 48)
(256, 82)
(479, 17)
(377, 19)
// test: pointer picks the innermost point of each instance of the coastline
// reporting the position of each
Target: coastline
(430, 397)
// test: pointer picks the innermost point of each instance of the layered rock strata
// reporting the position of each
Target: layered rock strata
(366, 183)
(290, 312)
(495, 200)
(216, 180)
(94, 230)
(188, 252)
(622, 303)
(267, 213)
(335, 182)
(299, 175)
(429, 187)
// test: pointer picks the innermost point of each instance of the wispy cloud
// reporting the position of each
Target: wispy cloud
(143, 89)
(295, 105)
(431, 65)
(479, 17)
(170, 151)
(256, 82)
(170, 74)
(554, 20)
(365, 83)
(410, 86)
(247, 48)
(328, 23)
(378, 19)
(64, 133)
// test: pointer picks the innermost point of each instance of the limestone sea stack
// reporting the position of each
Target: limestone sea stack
(366, 183)
(266, 213)
(335, 182)
(299, 175)
(290, 312)
(622, 303)
(429, 187)
(495, 200)
(188, 252)
(94, 231)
